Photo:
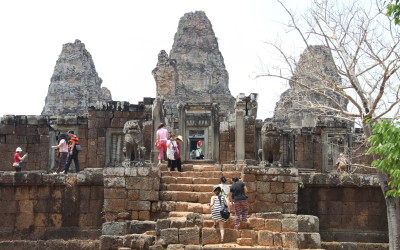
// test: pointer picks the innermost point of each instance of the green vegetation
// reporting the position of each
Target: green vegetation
(393, 10)
(386, 144)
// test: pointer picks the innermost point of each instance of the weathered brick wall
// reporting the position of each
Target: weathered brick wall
(226, 142)
(36, 134)
(113, 116)
(130, 193)
(308, 151)
(271, 189)
(250, 138)
(35, 205)
(350, 208)
(32, 134)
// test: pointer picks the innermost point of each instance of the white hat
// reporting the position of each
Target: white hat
(18, 149)
(180, 137)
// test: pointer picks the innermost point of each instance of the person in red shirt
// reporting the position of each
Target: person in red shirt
(18, 160)
(74, 148)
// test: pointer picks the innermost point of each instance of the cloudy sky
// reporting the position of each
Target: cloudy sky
(124, 38)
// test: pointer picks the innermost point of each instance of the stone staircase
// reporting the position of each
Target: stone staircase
(185, 221)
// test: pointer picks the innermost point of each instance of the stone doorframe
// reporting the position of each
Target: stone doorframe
(213, 127)
(325, 133)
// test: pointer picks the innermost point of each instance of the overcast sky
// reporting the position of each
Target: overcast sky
(124, 38)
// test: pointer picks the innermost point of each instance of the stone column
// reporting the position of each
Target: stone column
(182, 130)
(156, 114)
(239, 136)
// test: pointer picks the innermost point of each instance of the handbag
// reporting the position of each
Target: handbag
(15, 164)
(224, 212)
(158, 144)
(78, 147)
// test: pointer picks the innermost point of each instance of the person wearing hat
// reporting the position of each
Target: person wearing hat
(217, 203)
(239, 198)
(199, 152)
(18, 160)
(162, 137)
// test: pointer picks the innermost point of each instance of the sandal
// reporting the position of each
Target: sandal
(213, 226)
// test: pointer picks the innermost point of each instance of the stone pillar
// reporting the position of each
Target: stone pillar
(182, 130)
(239, 136)
(157, 118)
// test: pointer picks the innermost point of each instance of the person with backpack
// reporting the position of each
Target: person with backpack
(225, 189)
(74, 149)
(63, 149)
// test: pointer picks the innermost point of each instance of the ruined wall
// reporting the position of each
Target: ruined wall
(308, 153)
(271, 189)
(350, 208)
(131, 193)
(227, 142)
(105, 123)
(36, 134)
(35, 206)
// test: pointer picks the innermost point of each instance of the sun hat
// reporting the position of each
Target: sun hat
(215, 188)
(18, 149)
(180, 137)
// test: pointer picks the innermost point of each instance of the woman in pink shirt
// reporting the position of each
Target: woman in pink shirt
(162, 137)
(63, 148)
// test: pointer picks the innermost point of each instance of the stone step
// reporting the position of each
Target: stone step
(205, 167)
(187, 187)
(193, 197)
(189, 180)
(209, 174)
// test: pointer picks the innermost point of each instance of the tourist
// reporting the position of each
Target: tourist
(342, 163)
(239, 199)
(161, 138)
(179, 140)
(172, 153)
(18, 159)
(217, 203)
(225, 189)
(199, 152)
(74, 148)
(63, 149)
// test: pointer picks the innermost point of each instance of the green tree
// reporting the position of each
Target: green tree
(386, 144)
(393, 10)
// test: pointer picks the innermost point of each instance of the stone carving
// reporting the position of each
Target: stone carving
(133, 149)
(75, 84)
(194, 71)
(271, 144)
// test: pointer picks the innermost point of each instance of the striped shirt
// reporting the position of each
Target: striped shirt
(72, 140)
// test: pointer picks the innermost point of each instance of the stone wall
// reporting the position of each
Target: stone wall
(308, 151)
(105, 124)
(35, 205)
(350, 207)
(272, 189)
(227, 142)
(36, 135)
(131, 193)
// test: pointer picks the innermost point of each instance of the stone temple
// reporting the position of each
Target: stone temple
(122, 199)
